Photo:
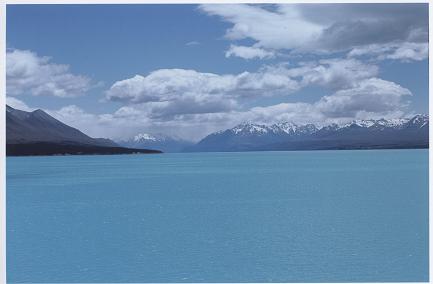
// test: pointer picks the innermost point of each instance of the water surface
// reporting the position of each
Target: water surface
(319, 216)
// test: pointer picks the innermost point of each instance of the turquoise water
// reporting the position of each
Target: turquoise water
(320, 216)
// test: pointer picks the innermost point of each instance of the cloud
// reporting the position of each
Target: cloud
(372, 96)
(168, 92)
(177, 85)
(17, 104)
(405, 52)
(333, 74)
(410, 51)
(324, 28)
(247, 52)
(353, 25)
(168, 84)
(28, 73)
(192, 43)
(277, 29)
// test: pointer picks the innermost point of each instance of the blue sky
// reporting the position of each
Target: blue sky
(187, 70)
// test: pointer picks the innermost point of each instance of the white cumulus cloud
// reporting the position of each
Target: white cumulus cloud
(28, 73)
(278, 29)
(249, 52)
(402, 51)
(178, 91)
(373, 96)
(177, 85)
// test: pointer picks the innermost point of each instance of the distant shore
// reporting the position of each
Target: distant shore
(54, 149)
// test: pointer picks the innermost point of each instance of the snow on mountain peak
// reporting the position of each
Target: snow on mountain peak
(144, 137)
(277, 128)
(394, 122)
(248, 127)
(287, 127)
(420, 118)
(291, 128)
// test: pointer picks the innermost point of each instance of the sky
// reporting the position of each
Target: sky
(189, 70)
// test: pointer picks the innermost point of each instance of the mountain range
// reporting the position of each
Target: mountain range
(359, 134)
(156, 141)
(38, 133)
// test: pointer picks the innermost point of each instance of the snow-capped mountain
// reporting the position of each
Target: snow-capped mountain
(156, 141)
(358, 134)
(249, 128)
(419, 121)
(142, 137)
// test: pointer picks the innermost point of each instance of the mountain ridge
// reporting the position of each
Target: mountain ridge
(38, 126)
(161, 142)
(357, 134)
(38, 133)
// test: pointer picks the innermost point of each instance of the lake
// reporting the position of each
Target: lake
(310, 216)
